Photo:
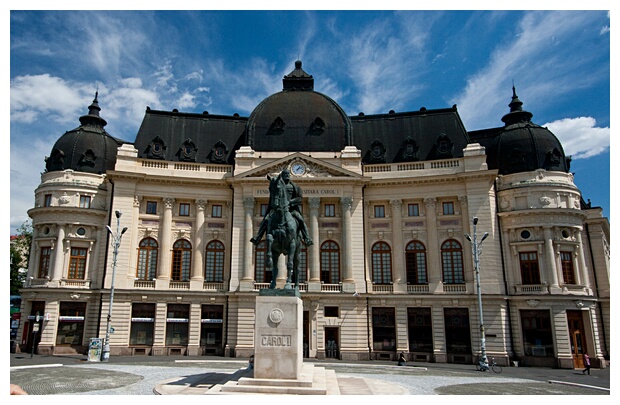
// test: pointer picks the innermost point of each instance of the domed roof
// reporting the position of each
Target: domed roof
(298, 119)
(524, 146)
(87, 148)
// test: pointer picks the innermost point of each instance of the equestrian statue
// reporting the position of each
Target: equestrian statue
(284, 226)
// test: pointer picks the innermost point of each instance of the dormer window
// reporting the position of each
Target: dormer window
(156, 149)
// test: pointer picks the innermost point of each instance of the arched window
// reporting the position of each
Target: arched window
(330, 262)
(147, 259)
(262, 273)
(415, 256)
(181, 260)
(214, 262)
(452, 262)
(381, 263)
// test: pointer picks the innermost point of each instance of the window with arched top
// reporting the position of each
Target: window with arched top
(452, 262)
(147, 259)
(415, 258)
(214, 262)
(262, 274)
(330, 262)
(381, 263)
(181, 260)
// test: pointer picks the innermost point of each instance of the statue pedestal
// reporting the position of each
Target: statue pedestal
(278, 337)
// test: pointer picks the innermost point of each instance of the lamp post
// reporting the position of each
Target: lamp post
(476, 250)
(116, 243)
(35, 329)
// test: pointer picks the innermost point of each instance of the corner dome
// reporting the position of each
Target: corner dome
(87, 148)
(298, 119)
(525, 146)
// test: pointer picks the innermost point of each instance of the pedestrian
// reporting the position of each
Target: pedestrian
(251, 363)
(401, 359)
(586, 362)
(17, 390)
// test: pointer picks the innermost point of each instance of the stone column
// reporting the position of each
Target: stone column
(468, 258)
(398, 252)
(314, 250)
(59, 255)
(248, 265)
(197, 274)
(581, 273)
(163, 270)
(550, 259)
(346, 203)
(432, 247)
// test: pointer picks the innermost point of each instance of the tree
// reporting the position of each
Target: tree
(20, 254)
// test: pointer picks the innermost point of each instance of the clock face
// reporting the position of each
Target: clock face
(298, 169)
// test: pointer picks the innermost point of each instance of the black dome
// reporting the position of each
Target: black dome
(298, 119)
(524, 146)
(87, 148)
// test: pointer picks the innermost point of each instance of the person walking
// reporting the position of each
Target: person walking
(401, 359)
(586, 362)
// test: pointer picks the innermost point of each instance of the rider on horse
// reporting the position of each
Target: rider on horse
(294, 194)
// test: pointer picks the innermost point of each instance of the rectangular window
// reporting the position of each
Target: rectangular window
(142, 324)
(151, 207)
(567, 267)
(211, 328)
(330, 312)
(530, 275)
(44, 262)
(216, 211)
(84, 201)
(47, 200)
(379, 211)
(77, 264)
(177, 325)
(448, 208)
(420, 327)
(330, 210)
(263, 209)
(71, 323)
(184, 209)
(537, 334)
(384, 329)
(413, 210)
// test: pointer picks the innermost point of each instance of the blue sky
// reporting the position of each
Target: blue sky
(373, 61)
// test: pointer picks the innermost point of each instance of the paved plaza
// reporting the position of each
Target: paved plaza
(177, 375)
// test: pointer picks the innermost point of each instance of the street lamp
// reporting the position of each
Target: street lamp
(476, 250)
(116, 243)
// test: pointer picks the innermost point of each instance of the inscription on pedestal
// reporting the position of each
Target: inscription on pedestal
(275, 340)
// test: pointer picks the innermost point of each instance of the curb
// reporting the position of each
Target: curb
(594, 387)
(36, 366)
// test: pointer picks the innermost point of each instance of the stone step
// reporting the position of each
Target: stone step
(312, 381)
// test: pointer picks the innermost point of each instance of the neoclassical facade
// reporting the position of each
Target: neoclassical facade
(389, 201)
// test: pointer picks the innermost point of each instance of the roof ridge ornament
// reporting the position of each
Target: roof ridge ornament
(298, 79)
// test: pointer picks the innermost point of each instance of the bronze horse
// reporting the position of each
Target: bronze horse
(282, 233)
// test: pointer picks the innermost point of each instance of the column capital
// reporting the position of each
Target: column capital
(430, 201)
(168, 202)
(248, 203)
(201, 204)
(314, 202)
(136, 200)
(396, 203)
(346, 202)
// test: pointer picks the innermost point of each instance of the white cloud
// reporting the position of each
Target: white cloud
(534, 58)
(186, 101)
(32, 96)
(580, 136)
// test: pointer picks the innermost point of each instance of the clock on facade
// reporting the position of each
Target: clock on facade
(298, 169)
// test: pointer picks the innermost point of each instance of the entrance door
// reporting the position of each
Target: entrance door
(577, 337)
(332, 344)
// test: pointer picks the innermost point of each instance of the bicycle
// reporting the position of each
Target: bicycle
(481, 366)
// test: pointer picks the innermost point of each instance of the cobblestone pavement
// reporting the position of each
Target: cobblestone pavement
(72, 375)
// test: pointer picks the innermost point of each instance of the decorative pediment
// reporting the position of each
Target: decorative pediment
(300, 166)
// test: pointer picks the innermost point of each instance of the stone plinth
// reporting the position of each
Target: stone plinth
(278, 337)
